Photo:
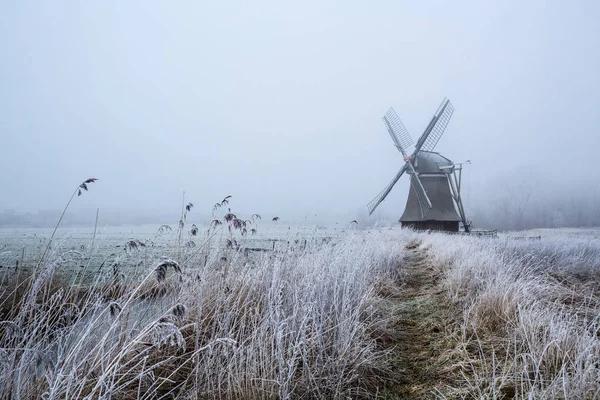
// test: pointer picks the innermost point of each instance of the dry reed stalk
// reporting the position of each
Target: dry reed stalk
(76, 192)
(94, 234)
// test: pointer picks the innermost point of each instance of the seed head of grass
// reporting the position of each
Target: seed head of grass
(238, 223)
(229, 217)
(225, 201)
(114, 308)
(133, 244)
(166, 333)
(84, 184)
(179, 310)
(161, 269)
(165, 228)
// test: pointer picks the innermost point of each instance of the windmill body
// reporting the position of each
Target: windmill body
(442, 216)
(434, 201)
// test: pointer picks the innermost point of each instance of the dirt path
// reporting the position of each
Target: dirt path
(419, 311)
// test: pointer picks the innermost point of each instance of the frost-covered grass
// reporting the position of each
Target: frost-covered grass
(288, 324)
(530, 326)
(307, 321)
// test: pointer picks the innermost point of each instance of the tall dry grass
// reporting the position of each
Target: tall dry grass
(285, 324)
(530, 325)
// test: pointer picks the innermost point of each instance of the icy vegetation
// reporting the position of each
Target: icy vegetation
(529, 326)
(515, 317)
(300, 322)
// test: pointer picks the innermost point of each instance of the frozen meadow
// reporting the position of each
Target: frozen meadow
(315, 318)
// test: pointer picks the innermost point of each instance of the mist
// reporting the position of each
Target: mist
(280, 106)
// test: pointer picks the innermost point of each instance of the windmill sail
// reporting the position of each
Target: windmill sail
(397, 130)
(436, 127)
(381, 196)
(424, 203)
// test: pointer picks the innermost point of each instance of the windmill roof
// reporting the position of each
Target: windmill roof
(428, 162)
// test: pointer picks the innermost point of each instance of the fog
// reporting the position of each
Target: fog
(280, 106)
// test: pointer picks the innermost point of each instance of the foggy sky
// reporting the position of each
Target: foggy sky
(280, 104)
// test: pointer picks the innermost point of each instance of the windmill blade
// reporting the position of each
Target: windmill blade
(436, 127)
(443, 118)
(381, 196)
(397, 130)
(424, 202)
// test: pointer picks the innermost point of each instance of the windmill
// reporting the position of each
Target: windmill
(435, 181)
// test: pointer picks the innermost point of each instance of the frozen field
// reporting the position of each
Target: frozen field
(382, 313)
(79, 248)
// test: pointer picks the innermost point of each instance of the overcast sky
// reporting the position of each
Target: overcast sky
(280, 104)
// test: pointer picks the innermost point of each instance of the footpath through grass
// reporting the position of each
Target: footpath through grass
(421, 315)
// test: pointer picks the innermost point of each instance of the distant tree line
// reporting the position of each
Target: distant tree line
(44, 218)
(536, 201)
(48, 218)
